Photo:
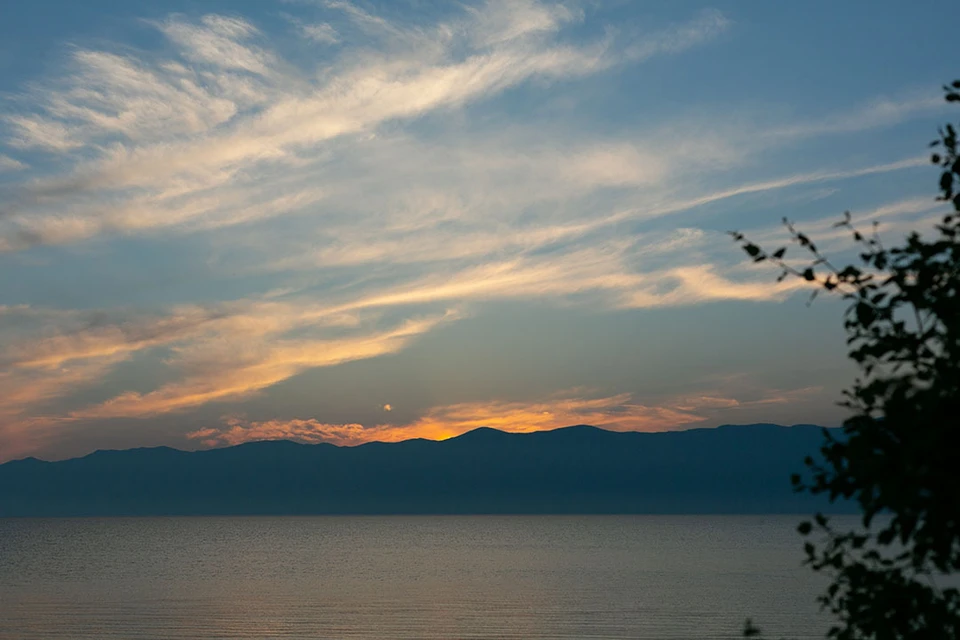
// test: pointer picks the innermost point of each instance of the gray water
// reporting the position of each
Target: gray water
(405, 577)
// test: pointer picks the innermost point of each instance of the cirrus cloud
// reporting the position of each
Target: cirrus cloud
(347, 202)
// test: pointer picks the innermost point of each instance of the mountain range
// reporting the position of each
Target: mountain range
(579, 469)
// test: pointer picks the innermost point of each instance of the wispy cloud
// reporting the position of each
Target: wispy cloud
(893, 219)
(613, 412)
(220, 351)
(10, 164)
(180, 127)
(219, 41)
(215, 354)
(813, 177)
(385, 163)
(877, 113)
(225, 369)
(232, 350)
(706, 26)
(320, 32)
(618, 412)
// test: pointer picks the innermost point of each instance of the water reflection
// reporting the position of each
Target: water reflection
(400, 577)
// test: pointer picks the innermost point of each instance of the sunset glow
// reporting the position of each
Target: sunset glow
(352, 222)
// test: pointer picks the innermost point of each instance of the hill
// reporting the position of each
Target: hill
(581, 469)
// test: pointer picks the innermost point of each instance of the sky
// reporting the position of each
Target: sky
(332, 221)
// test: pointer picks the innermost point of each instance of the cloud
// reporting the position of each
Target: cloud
(108, 98)
(321, 32)
(471, 214)
(700, 283)
(148, 141)
(32, 378)
(707, 25)
(882, 112)
(237, 431)
(614, 412)
(224, 369)
(219, 41)
(504, 21)
(367, 22)
(379, 187)
(231, 350)
(216, 352)
(91, 336)
(785, 182)
(893, 219)
(10, 164)
(618, 412)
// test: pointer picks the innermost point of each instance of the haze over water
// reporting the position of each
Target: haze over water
(405, 577)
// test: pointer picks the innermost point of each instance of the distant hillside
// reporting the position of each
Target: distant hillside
(582, 469)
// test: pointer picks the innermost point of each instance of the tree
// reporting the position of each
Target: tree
(898, 454)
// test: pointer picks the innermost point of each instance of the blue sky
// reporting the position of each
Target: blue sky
(334, 221)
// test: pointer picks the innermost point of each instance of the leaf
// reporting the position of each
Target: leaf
(809, 275)
(946, 181)
(779, 253)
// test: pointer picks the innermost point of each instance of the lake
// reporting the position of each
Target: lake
(657, 577)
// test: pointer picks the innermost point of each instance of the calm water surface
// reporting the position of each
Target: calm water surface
(405, 577)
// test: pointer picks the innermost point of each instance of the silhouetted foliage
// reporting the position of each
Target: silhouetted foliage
(898, 456)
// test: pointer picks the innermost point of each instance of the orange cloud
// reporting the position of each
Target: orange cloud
(236, 431)
(616, 412)
(218, 371)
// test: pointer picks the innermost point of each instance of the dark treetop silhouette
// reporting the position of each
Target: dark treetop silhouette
(900, 451)
(733, 469)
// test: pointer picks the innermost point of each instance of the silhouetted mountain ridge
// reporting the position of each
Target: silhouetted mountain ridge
(579, 469)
